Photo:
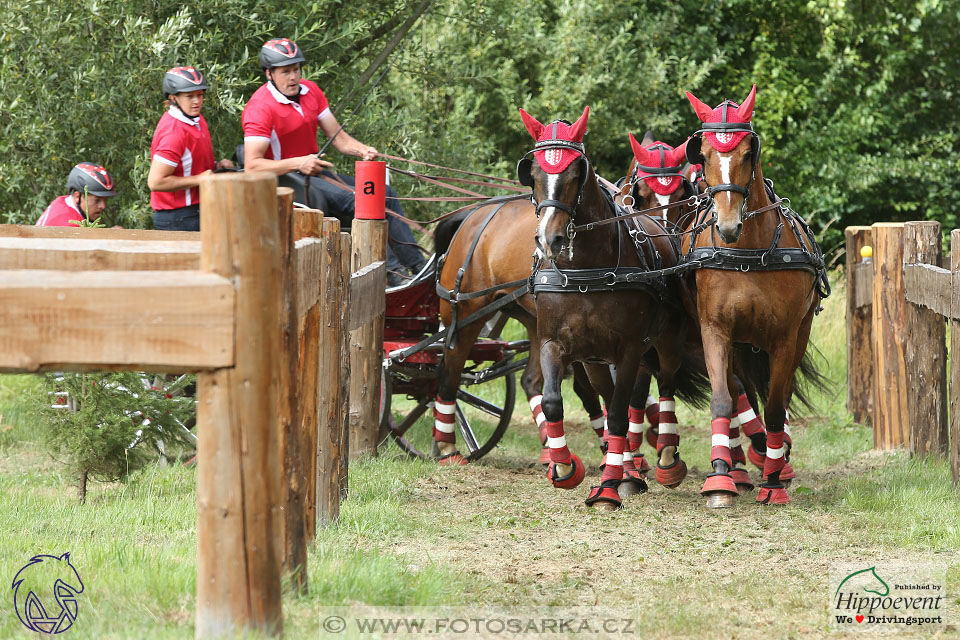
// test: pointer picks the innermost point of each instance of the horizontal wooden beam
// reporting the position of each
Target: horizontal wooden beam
(93, 233)
(863, 286)
(930, 287)
(307, 256)
(108, 320)
(367, 297)
(82, 254)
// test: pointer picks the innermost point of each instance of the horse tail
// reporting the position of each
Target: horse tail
(693, 384)
(446, 229)
(755, 365)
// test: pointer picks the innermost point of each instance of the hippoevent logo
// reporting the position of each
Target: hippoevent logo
(45, 594)
(887, 597)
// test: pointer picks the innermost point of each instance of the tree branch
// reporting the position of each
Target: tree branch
(394, 41)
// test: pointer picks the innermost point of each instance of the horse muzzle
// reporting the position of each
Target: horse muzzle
(730, 232)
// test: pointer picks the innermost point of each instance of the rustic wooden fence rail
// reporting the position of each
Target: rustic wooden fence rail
(898, 303)
(261, 309)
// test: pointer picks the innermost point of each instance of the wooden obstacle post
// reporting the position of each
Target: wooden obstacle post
(859, 326)
(307, 225)
(339, 479)
(955, 360)
(331, 434)
(891, 417)
(926, 348)
(238, 469)
(369, 239)
(292, 390)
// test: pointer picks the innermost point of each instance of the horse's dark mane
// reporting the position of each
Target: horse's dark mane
(446, 229)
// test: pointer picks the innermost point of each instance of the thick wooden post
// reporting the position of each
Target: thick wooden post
(307, 224)
(238, 469)
(334, 283)
(859, 330)
(926, 356)
(891, 418)
(366, 346)
(955, 360)
(291, 444)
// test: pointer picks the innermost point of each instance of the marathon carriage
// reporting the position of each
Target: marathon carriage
(413, 345)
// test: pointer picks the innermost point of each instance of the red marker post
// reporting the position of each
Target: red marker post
(371, 190)
(366, 341)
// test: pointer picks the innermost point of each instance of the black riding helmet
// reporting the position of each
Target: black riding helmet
(183, 79)
(92, 178)
(280, 52)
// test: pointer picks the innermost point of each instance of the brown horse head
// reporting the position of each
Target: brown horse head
(656, 177)
(557, 177)
(728, 150)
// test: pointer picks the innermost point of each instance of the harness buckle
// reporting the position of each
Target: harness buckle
(583, 288)
(571, 230)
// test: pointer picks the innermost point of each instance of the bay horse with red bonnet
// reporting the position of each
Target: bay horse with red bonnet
(755, 285)
(604, 294)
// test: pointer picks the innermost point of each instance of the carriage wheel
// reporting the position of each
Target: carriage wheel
(483, 414)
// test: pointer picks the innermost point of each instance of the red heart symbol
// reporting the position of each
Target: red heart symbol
(859, 618)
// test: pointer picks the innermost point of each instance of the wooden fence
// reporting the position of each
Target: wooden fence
(898, 303)
(262, 312)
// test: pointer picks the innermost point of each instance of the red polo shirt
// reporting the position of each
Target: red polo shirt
(290, 128)
(60, 213)
(184, 144)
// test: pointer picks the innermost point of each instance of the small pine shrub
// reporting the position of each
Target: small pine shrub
(105, 426)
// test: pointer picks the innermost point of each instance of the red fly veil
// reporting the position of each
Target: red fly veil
(727, 112)
(556, 160)
(659, 165)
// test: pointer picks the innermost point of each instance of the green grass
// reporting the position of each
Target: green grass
(495, 533)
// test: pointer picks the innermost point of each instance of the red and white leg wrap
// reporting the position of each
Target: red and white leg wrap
(736, 449)
(775, 451)
(597, 423)
(653, 411)
(537, 410)
(786, 427)
(668, 436)
(559, 453)
(749, 421)
(720, 449)
(613, 461)
(444, 421)
(634, 428)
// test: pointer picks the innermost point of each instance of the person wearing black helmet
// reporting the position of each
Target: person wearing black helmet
(280, 124)
(88, 185)
(181, 153)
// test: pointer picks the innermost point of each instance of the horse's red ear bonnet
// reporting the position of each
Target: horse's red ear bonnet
(727, 112)
(659, 165)
(556, 160)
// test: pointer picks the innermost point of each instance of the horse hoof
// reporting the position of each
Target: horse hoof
(758, 459)
(632, 487)
(454, 459)
(572, 479)
(651, 434)
(671, 476)
(721, 500)
(606, 496)
(742, 479)
(773, 495)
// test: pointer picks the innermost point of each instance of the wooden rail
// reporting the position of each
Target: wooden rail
(898, 304)
(258, 304)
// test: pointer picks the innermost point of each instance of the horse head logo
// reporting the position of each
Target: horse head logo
(868, 580)
(45, 594)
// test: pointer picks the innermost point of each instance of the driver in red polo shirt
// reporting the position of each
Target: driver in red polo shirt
(89, 186)
(280, 125)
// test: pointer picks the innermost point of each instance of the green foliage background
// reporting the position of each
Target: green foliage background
(857, 103)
